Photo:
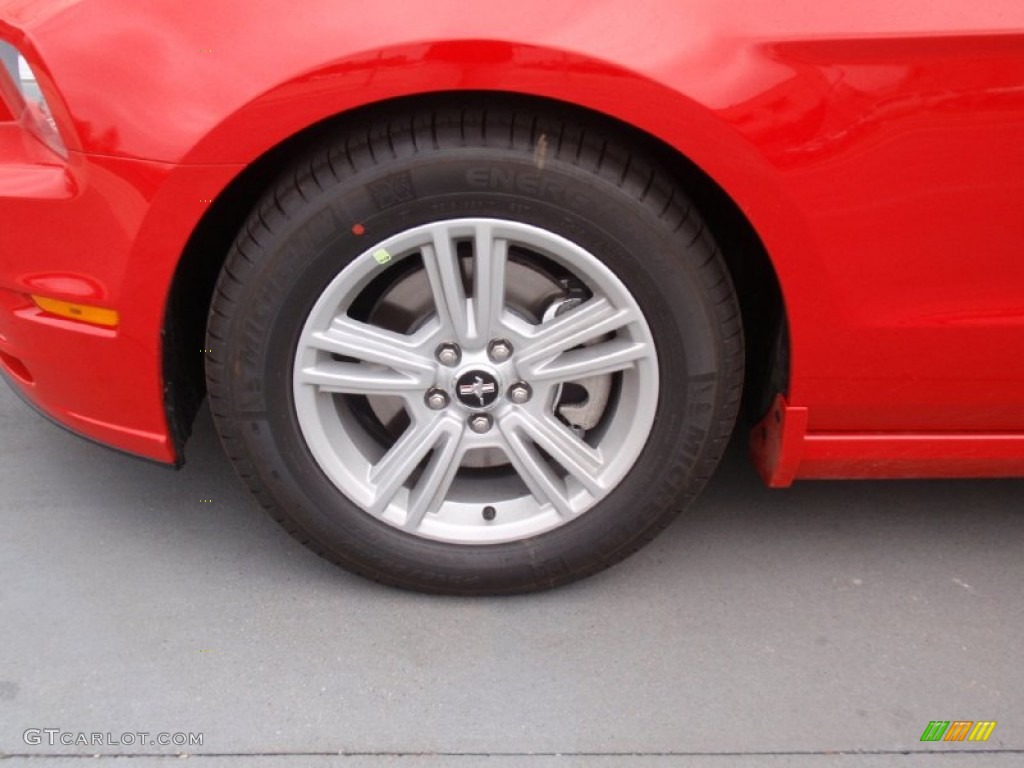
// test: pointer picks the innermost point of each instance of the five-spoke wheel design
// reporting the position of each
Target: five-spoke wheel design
(475, 380)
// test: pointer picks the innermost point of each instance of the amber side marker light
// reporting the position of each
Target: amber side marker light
(108, 318)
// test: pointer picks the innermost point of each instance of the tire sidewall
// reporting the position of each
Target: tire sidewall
(662, 272)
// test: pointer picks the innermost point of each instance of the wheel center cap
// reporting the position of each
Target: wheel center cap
(477, 389)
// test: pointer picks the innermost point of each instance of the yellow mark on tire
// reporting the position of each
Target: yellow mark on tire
(540, 153)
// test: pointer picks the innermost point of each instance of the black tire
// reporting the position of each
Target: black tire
(400, 171)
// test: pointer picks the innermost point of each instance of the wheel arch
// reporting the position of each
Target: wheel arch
(192, 286)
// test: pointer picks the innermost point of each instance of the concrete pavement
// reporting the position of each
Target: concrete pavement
(824, 625)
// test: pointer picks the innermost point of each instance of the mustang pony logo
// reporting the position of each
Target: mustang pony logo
(478, 389)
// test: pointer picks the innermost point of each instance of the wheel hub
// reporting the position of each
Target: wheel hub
(477, 389)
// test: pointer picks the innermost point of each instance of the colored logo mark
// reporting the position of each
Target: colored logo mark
(958, 730)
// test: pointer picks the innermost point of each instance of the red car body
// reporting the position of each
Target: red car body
(875, 150)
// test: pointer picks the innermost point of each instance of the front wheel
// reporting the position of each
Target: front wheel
(459, 356)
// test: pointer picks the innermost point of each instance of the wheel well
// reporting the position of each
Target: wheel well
(184, 332)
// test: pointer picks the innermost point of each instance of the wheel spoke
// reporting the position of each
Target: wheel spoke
(441, 261)
(357, 379)
(371, 344)
(490, 259)
(389, 362)
(597, 360)
(575, 456)
(587, 322)
(538, 476)
(394, 468)
(437, 478)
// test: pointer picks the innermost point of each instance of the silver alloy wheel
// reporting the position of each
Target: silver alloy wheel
(423, 480)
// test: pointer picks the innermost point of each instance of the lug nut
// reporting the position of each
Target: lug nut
(449, 354)
(480, 424)
(520, 392)
(499, 350)
(436, 399)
